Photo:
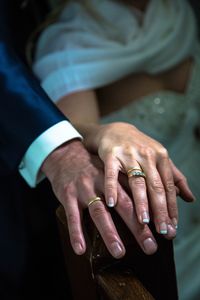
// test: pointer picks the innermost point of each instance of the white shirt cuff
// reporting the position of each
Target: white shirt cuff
(41, 147)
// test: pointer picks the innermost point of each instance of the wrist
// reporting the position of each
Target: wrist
(92, 135)
(55, 156)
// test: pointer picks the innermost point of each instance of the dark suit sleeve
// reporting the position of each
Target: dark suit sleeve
(25, 110)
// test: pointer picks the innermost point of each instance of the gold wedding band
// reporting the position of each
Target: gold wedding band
(133, 169)
(93, 200)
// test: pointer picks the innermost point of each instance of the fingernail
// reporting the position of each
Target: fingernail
(171, 231)
(116, 249)
(175, 222)
(192, 197)
(111, 202)
(145, 217)
(78, 248)
(163, 228)
(150, 246)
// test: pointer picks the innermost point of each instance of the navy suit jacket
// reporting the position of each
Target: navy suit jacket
(31, 263)
(25, 110)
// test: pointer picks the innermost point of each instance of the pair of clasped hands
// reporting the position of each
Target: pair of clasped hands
(78, 177)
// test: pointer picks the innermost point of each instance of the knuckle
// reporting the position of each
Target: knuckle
(163, 153)
(170, 187)
(128, 207)
(110, 174)
(110, 186)
(127, 148)
(147, 152)
(157, 186)
(72, 220)
(182, 178)
(128, 152)
(125, 208)
(162, 211)
(68, 188)
(173, 209)
(85, 181)
(142, 205)
(162, 215)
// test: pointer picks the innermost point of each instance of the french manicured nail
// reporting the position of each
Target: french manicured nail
(78, 248)
(116, 249)
(163, 228)
(111, 202)
(150, 246)
(175, 222)
(145, 217)
(171, 231)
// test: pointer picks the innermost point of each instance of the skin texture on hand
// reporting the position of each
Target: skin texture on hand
(76, 177)
(122, 146)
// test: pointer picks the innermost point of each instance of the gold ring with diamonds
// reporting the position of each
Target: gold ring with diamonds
(136, 173)
(134, 169)
(93, 200)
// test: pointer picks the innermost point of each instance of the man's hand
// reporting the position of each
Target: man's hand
(76, 177)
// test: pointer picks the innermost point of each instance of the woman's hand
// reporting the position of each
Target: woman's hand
(123, 147)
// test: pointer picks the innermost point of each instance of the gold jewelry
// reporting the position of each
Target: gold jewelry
(94, 199)
(134, 169)
(135, 173)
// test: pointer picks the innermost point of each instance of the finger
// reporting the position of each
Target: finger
(71, 207)
(156, 192)
(142, 233)
(138, 189)
(106, 228)
(181, 182)
(101, 217)
(111, 180)
(165, 171)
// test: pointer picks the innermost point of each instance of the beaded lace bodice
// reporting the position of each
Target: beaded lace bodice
(164, 114)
